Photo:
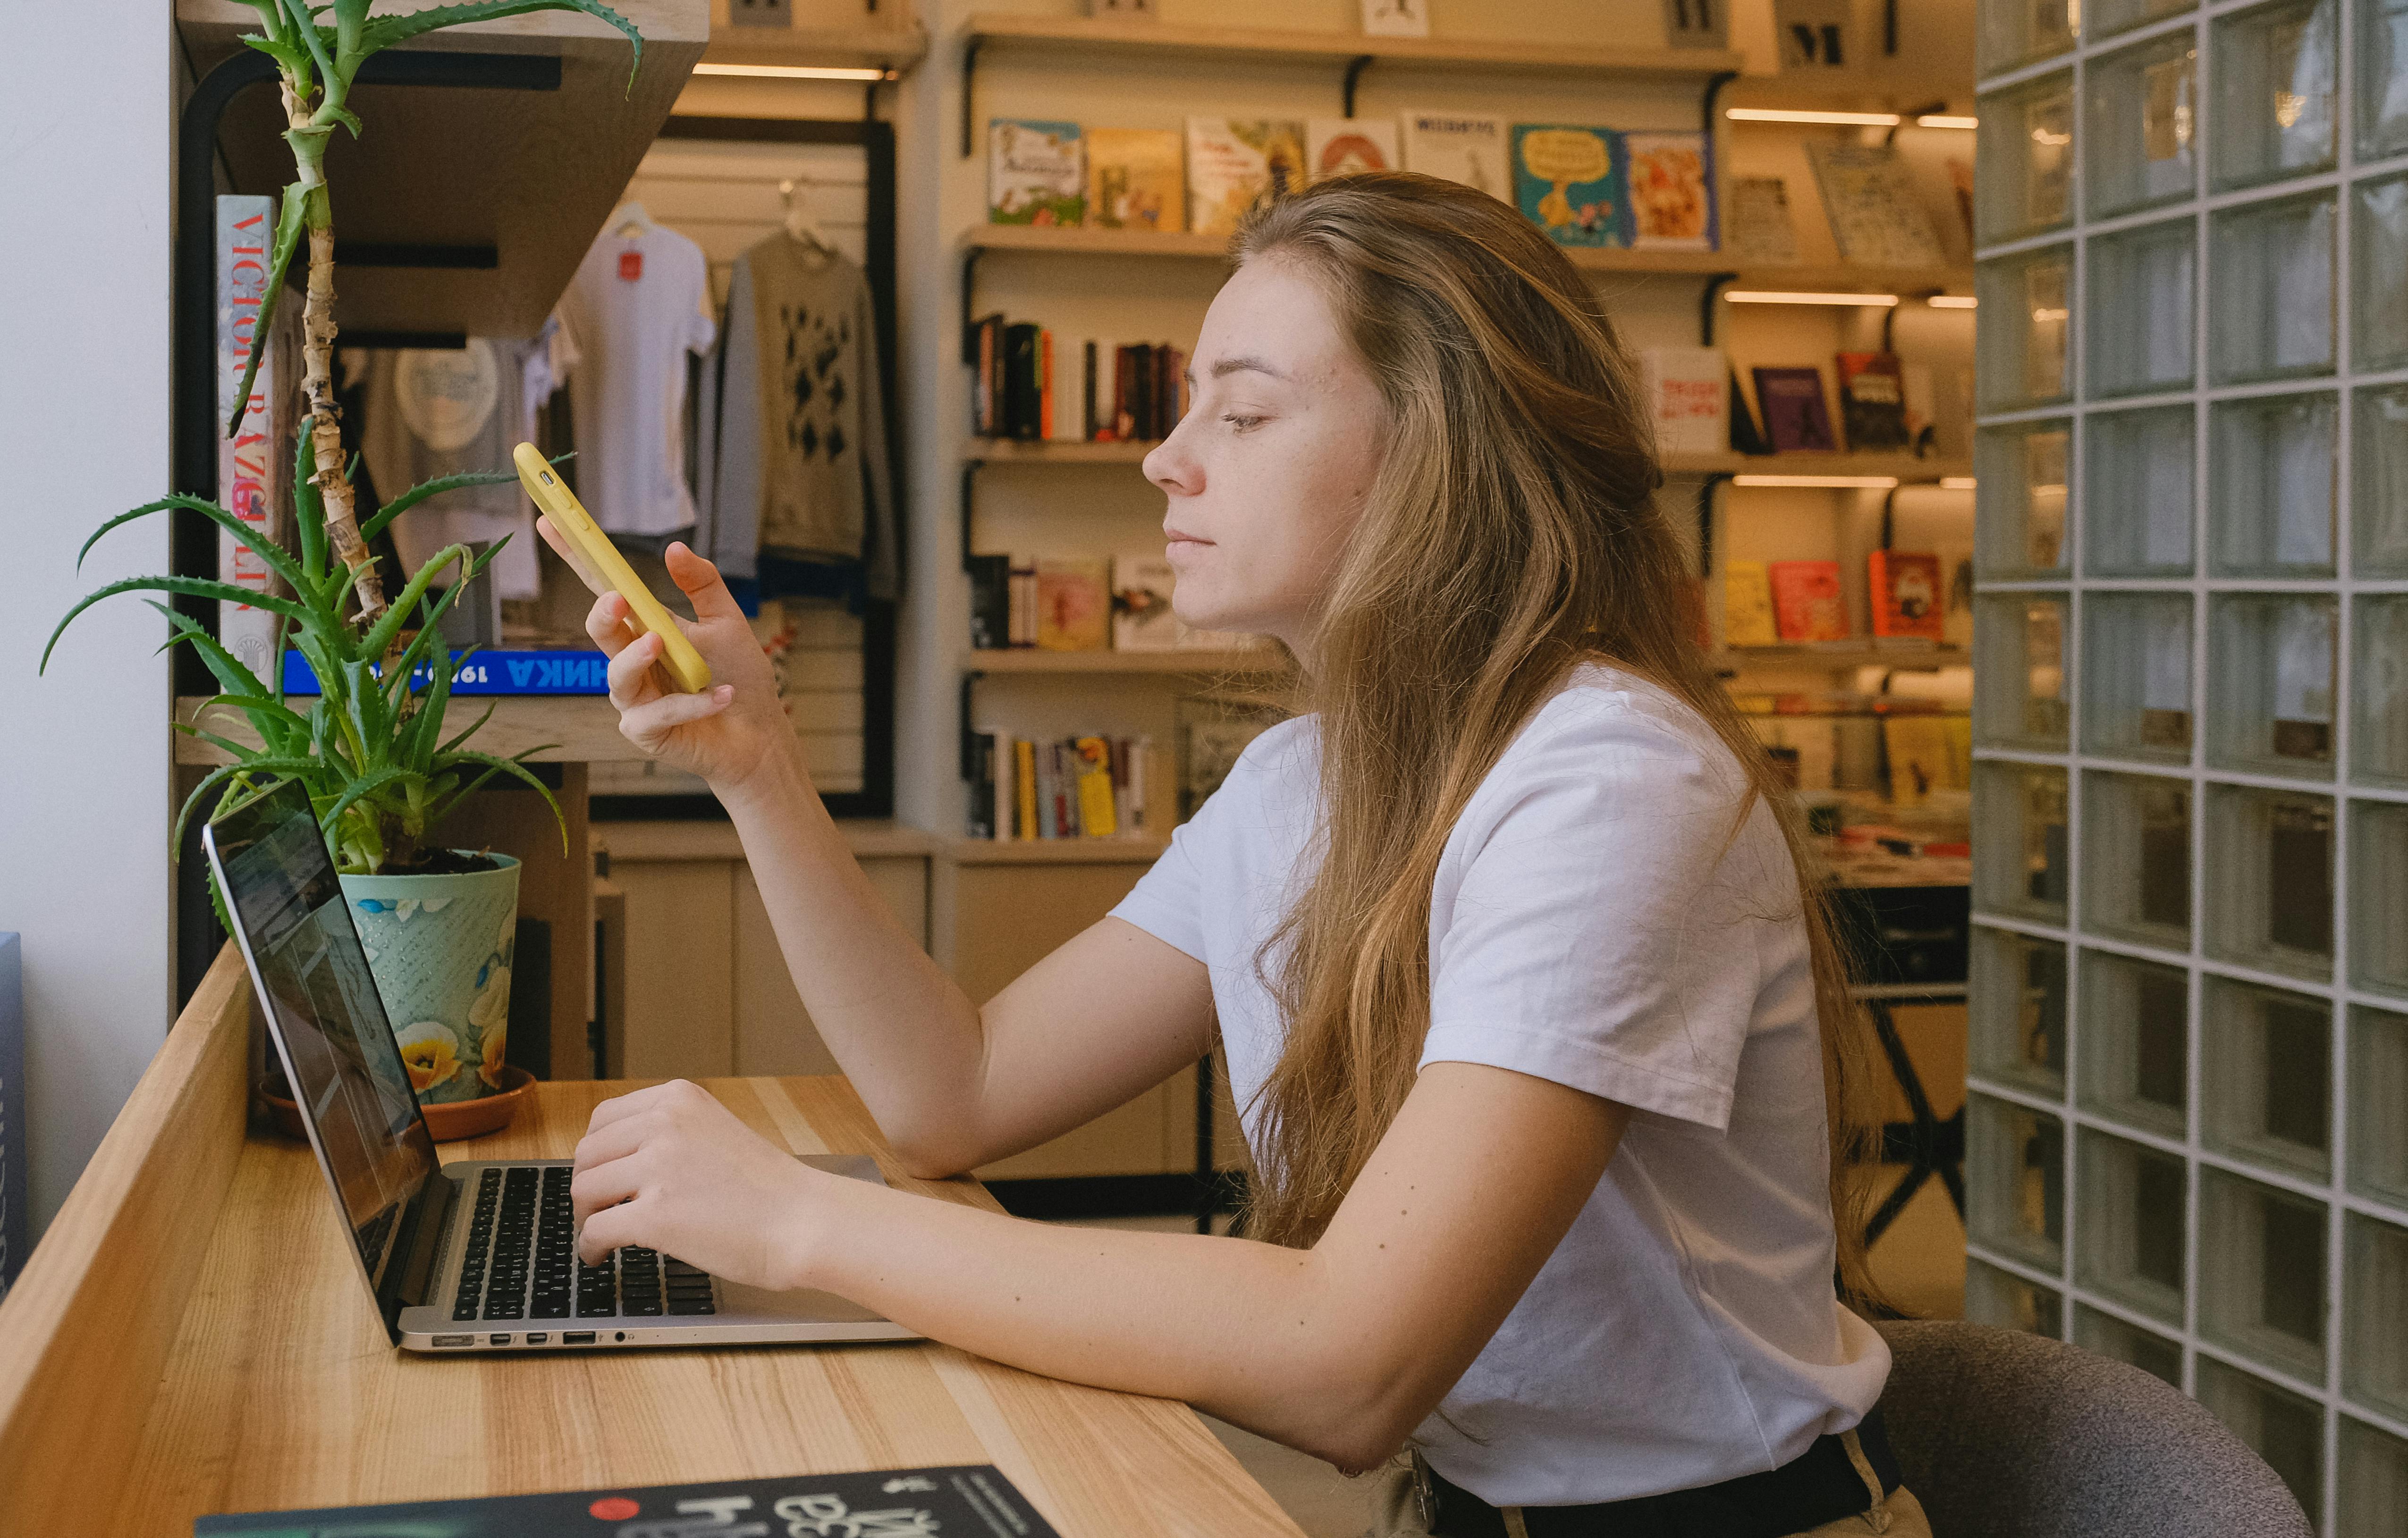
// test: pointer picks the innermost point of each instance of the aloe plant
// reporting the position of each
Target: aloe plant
(316, 64)
(370, 748)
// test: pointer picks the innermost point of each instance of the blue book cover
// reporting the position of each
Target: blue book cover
(554, 672)
(1567, 180)
(16, 1220)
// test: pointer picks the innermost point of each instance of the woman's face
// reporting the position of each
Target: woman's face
(1269, 469)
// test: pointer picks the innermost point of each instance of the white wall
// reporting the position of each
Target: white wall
(85, 160)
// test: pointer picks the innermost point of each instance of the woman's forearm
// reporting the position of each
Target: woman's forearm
(905, 1034)
(1247, 1332)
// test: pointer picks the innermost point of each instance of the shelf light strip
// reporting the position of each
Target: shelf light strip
(1835, 483)
(1952, 301)
(796, 72)
(1847, 120)
(1774, 296)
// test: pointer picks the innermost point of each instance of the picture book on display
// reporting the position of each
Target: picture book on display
(1565, 183)
(1806, 602)
(1141, 616)
(1073, 604)
(1794, 417)
(971, 1501)
(1761, 226)
(1342, 146)
(1906, 599)
(1747, 604)
(1669, 181)
(1873, 402)
(1137, 180)
(1687, 397)
(1876, 217)
(1459, 147)
(1236, 164)
(1036, 172)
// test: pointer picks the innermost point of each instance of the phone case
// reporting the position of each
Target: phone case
(601, 567)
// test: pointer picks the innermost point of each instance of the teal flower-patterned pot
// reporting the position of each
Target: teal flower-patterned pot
(439, 947)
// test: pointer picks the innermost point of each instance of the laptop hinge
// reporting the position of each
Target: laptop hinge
(426, 1223)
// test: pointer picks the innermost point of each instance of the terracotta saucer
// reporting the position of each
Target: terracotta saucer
(446, 1124)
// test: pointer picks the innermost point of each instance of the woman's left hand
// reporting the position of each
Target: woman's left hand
(671, 1169)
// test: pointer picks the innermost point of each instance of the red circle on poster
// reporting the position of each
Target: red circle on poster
(614, 1508)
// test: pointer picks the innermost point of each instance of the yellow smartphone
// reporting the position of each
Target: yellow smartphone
(598, 564)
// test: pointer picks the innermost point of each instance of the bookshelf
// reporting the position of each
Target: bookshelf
(1838, 657)
(894, 49)
(1905, 469)
(1198, 664)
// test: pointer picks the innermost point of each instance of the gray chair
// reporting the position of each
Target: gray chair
(2004, 1434)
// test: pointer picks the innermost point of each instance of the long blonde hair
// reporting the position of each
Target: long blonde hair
(1511, 534)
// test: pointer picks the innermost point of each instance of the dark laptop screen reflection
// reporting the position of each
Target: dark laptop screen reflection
(350, 1074)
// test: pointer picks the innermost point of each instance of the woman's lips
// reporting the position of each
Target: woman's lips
(1181, 536)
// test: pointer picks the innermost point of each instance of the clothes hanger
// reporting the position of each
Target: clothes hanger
(632, 221)
(799, 224)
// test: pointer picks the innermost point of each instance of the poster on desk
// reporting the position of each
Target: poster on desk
(971, 1501)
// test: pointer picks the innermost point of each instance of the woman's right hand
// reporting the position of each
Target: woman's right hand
(728, 732)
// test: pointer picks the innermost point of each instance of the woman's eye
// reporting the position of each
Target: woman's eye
(1241, 422)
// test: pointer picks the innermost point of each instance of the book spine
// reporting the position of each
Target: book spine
(1023, 786)
(1045, 384)
(982, 810)
(989, 602)
(1020, 616)
(1124, 393)
(1141, 755)
(1089, 428)
(246, 227)
(1005, 800)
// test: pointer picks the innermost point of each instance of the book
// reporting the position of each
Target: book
(1092, 764)
(247, 461)
(1876, 219)
(1806, 602)
(1023, 787)
(1794, 417)
(1747, 604)
(1073, 604)
(1024, 390)
(964, 1501)
(1746, 437)
(984, 349)
(1686, 397)
(1460, 146)
(1342, 147)
(1142, 620)
(1873, 402)
(1036, 172)
(1020, 604)
(979, 770)
(564, 670)
(1237, 165)
(1668, 180)
(990, 601)
(1065, 382)
(1137, 180)
(1905, 590)
(1565, 183)
(1761, 226)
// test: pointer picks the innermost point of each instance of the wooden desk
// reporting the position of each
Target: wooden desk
(189, 1337)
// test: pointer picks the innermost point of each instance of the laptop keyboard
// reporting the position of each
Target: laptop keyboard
(522, 1260)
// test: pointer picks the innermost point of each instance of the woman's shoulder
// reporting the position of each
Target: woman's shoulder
(1613, 721)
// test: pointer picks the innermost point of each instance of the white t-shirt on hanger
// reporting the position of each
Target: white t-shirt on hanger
(1593, 922)
(638, 304)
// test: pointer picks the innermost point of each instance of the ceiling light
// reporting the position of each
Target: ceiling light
(795, 72)
(1945, 119)
(1952, 301)
(1772, 296)
(1959, 483)
(1835, 483)
(1776, 114)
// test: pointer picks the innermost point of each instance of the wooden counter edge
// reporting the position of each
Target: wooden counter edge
(86, 1330)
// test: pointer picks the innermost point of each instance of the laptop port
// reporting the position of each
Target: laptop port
(498, 1339)
(455, 1340)
(577, 1337)
(539, 1337)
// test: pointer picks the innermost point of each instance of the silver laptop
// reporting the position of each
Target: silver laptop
(474, 1256)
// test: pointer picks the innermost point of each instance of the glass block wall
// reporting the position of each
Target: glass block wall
(2188, 1132)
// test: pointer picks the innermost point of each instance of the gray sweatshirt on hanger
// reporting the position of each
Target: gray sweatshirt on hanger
(799, 465)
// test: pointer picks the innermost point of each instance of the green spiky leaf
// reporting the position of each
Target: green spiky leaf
(382, 32)
(289, 223)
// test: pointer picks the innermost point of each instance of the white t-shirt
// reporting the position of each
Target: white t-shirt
(1589, 926)
(636, 307)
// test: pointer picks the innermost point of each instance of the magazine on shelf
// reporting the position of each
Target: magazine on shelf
(1461, 147)
(1806, 601)
(1566, 183)
(1342, 146)
(1668, 180)
(1687, 397)
(964, 1501)
(1237, 165)
(1873, 403)
(1036, 172)
(1757, 223)
(1876, 219)
(1795, 416)
(1137, 180)
(1906, 593)
(1747, 606)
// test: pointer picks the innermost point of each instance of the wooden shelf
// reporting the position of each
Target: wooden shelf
(1052, 852)
(1082, 34)
(1021, 451)
(1173, 663)
(578, 728)
(898, 49)
(1077, 240)
(1905, 467)
(1838, 658)
(517, 181)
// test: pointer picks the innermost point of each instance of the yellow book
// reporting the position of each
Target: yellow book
(1023, 784)
(1747, 604)
(1095, 818)
(1136, 179)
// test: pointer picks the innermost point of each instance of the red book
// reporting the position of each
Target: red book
(1905, 593)
(1806, 603)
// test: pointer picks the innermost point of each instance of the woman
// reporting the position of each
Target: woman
(1504, 941)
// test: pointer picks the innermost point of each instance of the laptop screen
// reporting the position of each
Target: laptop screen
(346, 1072)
